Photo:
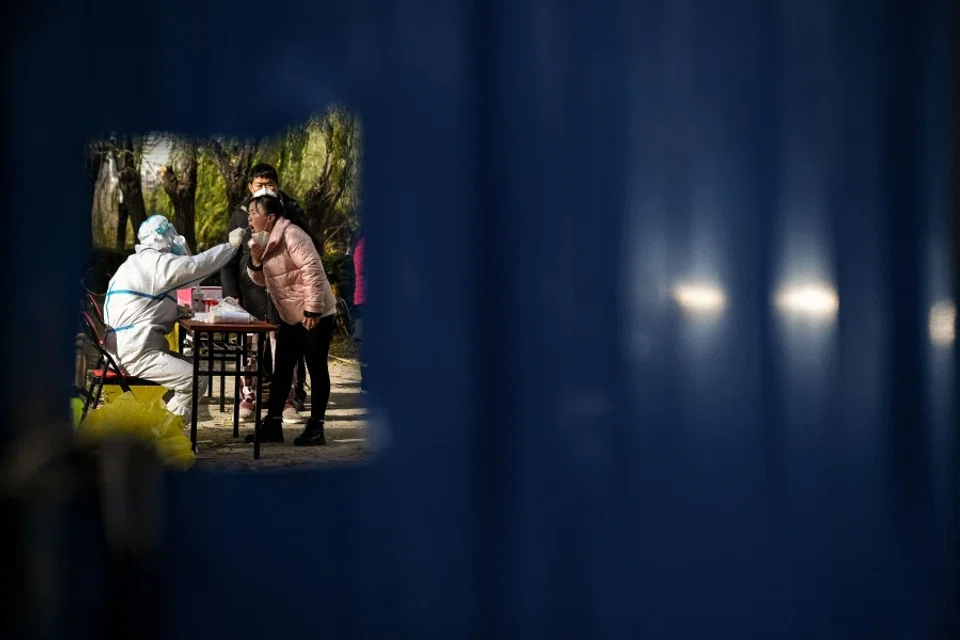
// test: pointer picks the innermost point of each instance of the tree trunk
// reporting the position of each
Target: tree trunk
(94, 166)
(122, 215)
(320, 203)
(179, 180)
(94, 162)
(234, 160)
(238, 180)
(187, 214)
(128, 174)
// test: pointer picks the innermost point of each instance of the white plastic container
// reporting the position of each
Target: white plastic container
(197, 300)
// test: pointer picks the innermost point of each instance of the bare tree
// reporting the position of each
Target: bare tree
(95, 152)
(233, 158)
(127, 155)
(324, 200)
(179, 180)
(123, 214)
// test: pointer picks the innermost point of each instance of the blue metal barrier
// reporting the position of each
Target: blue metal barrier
(582, 218)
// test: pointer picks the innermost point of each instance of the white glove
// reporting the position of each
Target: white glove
(236, 237)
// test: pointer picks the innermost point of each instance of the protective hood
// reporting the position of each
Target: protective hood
(158, 233)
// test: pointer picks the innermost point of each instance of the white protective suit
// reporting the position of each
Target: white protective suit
(141, 307)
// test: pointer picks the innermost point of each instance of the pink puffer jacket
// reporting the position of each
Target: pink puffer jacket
(293, 274)
(360, 275)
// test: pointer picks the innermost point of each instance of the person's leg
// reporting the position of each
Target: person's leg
(289, 344)
(299, 392)
(316, 349)
(171, 371)
(269, 349)
(290, 413)
(289, 347)
(248, 391)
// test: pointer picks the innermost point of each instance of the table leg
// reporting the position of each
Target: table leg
(238, 369)
(195, 397)
(210, 362)
(259, 408)
(225, 337)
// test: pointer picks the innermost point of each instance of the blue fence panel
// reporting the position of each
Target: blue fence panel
(581, 216)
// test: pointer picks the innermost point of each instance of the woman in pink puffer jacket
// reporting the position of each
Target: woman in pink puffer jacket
(286, 262)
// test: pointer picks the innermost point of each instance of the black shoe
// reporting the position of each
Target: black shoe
(312, 436)
(271, 430)
(298, 404)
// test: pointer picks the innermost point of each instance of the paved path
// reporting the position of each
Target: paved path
(346, 431)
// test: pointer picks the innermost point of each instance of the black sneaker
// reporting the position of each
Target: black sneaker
(271, 430)
(299, 405)
(312, 436)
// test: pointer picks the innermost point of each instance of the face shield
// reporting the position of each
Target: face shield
(159, 233)
(180, 247)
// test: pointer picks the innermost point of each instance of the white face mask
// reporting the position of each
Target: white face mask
(261, 237)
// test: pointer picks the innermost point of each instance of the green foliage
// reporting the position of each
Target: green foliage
(343, 133)
(212, 215)
(297, 154)
(157, 202)
(211, 204)
(300, 155)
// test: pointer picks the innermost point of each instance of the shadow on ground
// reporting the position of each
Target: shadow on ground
(346, 431)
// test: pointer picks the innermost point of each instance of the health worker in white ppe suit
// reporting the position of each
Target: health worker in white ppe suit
(141, 306)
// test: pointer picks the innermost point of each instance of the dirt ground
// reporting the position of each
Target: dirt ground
(346, 430)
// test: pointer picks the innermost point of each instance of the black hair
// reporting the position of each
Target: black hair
(271, 205)
(264, 170)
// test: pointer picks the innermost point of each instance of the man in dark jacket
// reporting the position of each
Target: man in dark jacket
(234, 278)
(236, 282)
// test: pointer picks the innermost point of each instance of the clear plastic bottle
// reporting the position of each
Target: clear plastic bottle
(197, 297)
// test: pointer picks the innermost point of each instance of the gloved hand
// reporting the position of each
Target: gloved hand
(236, 237)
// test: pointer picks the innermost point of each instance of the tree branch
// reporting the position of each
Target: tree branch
(339, 193)
(219, 154)
(168, 179)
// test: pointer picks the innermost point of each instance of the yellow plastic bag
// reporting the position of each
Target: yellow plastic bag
(76, 411)
(151, 421)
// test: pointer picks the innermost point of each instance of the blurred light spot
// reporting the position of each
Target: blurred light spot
(701, 299)
(813, 301)
(942, 323)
